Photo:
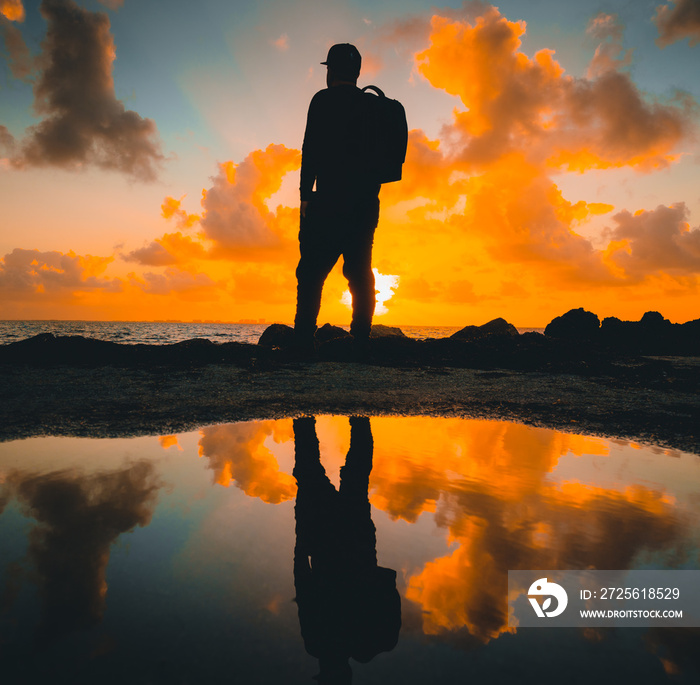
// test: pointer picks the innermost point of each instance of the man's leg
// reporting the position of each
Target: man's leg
(357, 268)
(361, 548)
(318, 256)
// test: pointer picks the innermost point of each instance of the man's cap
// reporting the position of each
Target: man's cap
(344, 56)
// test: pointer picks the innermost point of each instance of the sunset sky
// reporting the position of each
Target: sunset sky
(150, 153)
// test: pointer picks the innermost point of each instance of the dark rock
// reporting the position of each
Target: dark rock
(379, 330)
(277, 335)
(688, 335)
(194, 344)
(657, 335)
(651, 335)
(619, 334)
(655, 321)
(48, 349)
(390, 350)
(576, 324)
(612, 323)
(337, 349)
(494, 327)
(499, 327)
(467, 333)
(328, 332)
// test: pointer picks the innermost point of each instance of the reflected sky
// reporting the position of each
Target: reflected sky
(172, 558)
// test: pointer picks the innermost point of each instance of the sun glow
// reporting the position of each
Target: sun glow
(385, 286)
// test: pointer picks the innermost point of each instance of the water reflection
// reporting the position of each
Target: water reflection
(78, 518)
(237, 454)
(229, 524)
(348, 605)
(507, 512)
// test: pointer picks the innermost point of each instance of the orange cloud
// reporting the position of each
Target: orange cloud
(519, 104)
(171, 208)
(237, 454)
(656, 240)
(23, 272)
(194, 286)
(238, 227)
(12, 10)
(427, 173)
(170, 249)
(235, 215)
(407, 484)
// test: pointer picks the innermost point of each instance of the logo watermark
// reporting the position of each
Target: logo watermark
(545, 588)
(603, 598)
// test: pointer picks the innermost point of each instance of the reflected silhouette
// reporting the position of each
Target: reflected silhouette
(348, 605)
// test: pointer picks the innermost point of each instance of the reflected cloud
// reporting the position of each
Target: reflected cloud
(78, 518)
(491, 485)
(20, 60)
(13, 10)
(677, 648)
(168, 441)
(237, 454)
(576, 527)
(408, 479)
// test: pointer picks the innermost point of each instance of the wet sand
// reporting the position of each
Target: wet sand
(652, 400)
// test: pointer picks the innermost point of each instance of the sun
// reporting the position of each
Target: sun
(385, 286)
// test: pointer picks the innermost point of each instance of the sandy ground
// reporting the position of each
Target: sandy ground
(109, 401)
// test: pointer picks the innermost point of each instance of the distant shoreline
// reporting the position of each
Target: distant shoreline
(241, 322)
(152, 332)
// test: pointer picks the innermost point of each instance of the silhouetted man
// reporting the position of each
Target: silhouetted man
(348, 606)
(339, 218)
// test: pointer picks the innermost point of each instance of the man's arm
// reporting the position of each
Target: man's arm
(310, 153)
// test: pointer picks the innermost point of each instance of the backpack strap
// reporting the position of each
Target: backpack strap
(377, 90)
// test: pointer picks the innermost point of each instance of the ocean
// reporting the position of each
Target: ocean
(166, 332)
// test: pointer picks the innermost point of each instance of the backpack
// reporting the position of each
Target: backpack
(386, 134)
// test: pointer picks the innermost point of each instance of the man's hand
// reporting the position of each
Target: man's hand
(304, 205)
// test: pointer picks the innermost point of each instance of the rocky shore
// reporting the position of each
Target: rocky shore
(631, 380)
